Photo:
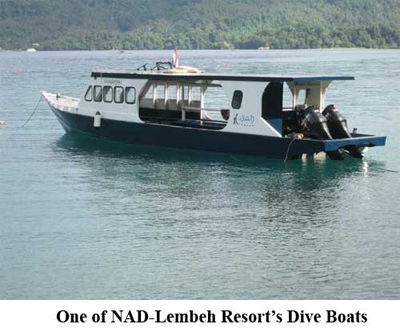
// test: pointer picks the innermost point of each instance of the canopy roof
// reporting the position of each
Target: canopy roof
(223, 77)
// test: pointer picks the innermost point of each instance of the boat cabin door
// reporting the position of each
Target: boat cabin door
(272, 104)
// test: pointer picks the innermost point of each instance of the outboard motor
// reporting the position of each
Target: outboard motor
(337, 125)
(316, 125)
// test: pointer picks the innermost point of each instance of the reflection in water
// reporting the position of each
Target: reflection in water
(274, 219)
(305, 175)
(267, 189)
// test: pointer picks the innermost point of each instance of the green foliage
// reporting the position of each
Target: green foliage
(198, 24)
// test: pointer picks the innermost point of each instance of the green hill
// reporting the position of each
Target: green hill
(199, 24)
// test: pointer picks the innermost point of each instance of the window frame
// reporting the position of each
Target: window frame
(237, 102)
(112, 94)
(90, 88)
(123, 94)
(127, 88)
(94, 94)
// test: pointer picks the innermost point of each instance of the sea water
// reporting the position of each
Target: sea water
(83, 218)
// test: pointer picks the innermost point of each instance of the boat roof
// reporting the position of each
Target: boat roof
(157, 75)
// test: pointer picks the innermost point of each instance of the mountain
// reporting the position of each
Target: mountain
(198, 24)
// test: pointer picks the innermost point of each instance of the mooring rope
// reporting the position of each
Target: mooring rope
(34, 110)
(287, 152)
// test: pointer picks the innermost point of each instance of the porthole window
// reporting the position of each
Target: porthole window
(130, 95)
(98, 93)
(88, 94)
(119, 94)
(108, 94)
(237, 99)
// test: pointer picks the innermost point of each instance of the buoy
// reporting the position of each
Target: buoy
(97, 120)
(2, 122)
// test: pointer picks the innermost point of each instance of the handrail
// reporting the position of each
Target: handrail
(194, 108)
(202, 110)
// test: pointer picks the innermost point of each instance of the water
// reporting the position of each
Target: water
(83, 218)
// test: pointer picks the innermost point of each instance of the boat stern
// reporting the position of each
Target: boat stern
(335, 149)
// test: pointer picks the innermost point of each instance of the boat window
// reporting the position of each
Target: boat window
(88, 94)
(98, 93)
(212, 113)
(272, 105)
(185, 93)
(237, 99)
(149, 92)
(172, 91)
(160, 92)
(108, 94)
(216, 104)
(130, 95)
(119, 94)
(301, 97)
(196, 93)
(287, 97)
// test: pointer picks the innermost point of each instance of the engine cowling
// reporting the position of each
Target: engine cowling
(337, 125)
(316, 125)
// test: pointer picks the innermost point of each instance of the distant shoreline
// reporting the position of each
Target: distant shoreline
(121, 51)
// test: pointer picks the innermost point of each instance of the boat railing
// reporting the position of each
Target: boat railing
(202, 110)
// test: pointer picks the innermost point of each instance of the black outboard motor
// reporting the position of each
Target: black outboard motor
(337, 125)
(315, 124)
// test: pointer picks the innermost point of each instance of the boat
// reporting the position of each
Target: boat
(31, 50)
(167, 106)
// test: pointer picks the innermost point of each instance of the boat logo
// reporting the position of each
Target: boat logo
(244, 120)
(112, 81)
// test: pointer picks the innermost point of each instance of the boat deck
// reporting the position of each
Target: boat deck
(60, 100)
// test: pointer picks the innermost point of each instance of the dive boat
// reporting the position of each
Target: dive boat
(167, 106)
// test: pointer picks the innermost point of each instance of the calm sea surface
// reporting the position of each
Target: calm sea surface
(83, 218)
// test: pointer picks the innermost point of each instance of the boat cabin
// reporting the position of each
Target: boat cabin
(264, 105)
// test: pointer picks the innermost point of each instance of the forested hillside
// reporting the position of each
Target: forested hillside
(198, 24)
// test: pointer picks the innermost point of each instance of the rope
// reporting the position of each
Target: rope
(34, 110)
(287, 152)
